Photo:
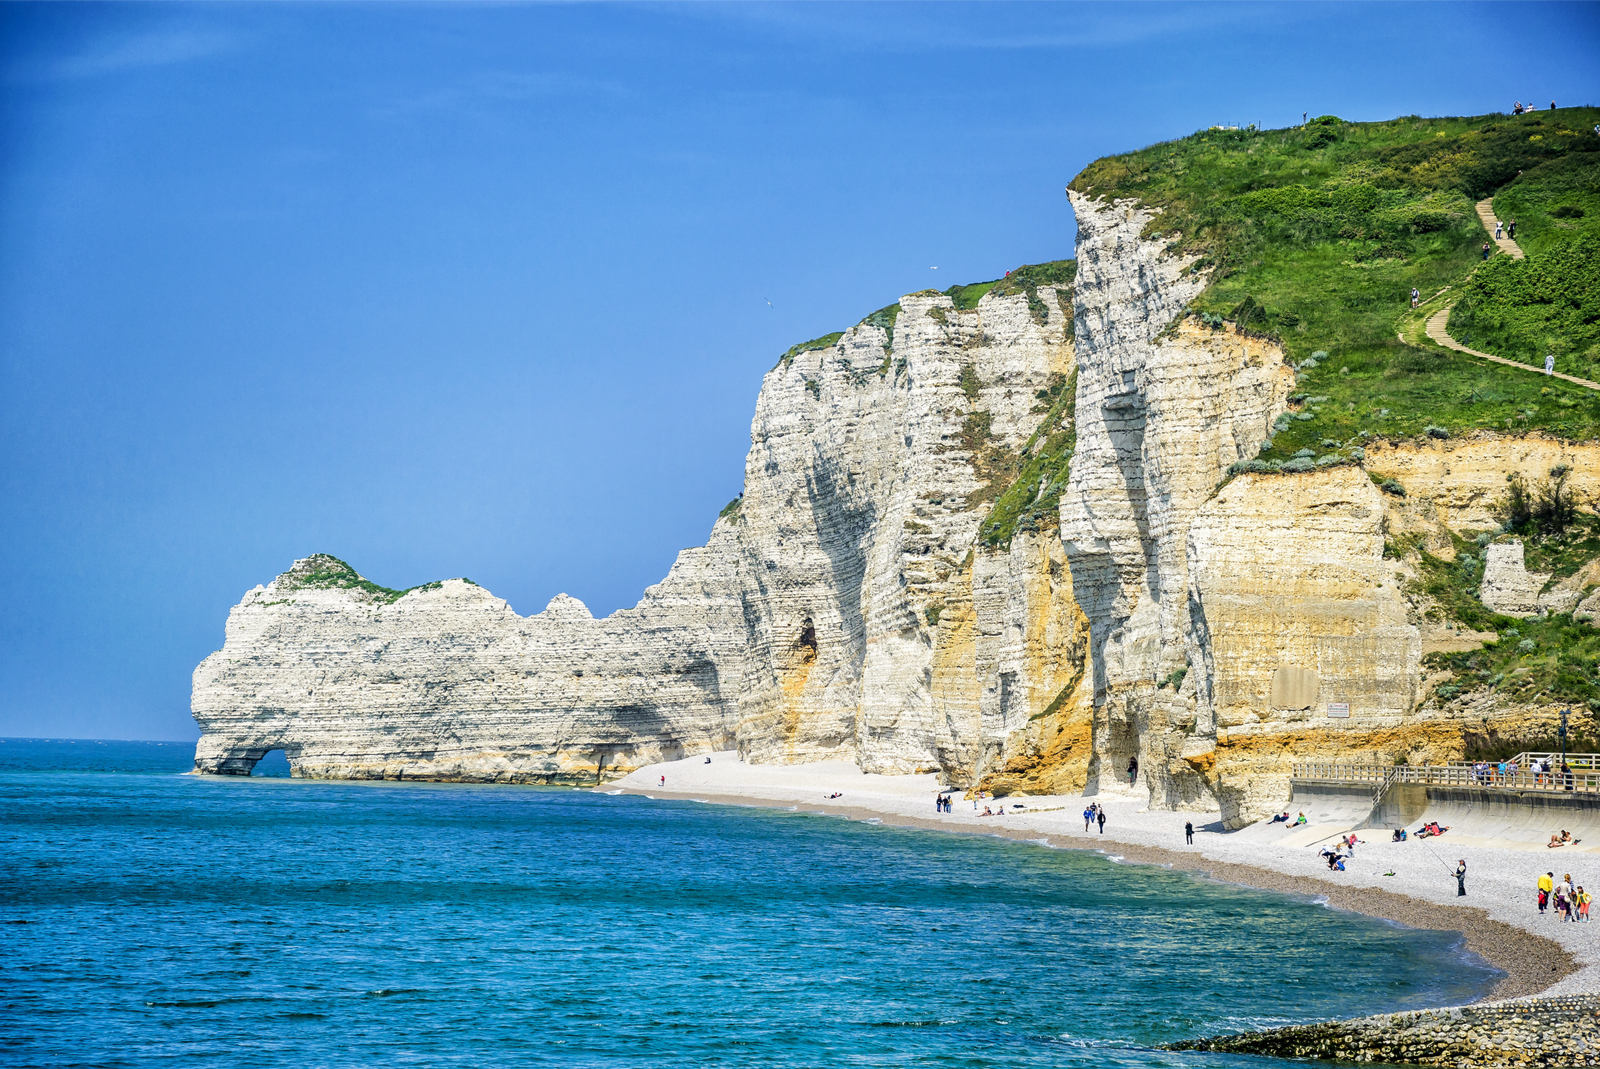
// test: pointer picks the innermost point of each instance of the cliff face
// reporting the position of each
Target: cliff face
(854, 606)
(843, 609)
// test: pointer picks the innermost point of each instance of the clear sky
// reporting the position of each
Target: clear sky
(489, 290)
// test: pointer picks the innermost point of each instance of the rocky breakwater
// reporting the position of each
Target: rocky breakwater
(1528, 1032)
(846, 606)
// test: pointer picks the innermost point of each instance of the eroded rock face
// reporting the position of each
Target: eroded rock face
(1305, 618)
(447, 682)
(843, 610)
(848, 607)
(1161, 415)
(1507, 585)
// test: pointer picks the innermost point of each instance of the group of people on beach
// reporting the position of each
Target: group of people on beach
(1283, 818)
(1571, 903)
(1341, 851)
(1093, 814)
(1543, 770)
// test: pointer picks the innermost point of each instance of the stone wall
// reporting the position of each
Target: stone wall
(1528, 1032)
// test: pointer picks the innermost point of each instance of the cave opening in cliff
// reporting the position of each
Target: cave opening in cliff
(274, 764)
(807, 643)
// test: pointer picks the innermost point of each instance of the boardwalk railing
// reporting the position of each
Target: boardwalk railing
(1584, 774)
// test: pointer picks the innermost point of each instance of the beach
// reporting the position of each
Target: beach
(1498, 918)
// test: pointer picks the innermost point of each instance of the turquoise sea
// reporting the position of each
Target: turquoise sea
(156, 919)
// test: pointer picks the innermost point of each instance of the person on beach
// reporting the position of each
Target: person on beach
(1301, 819)
(1188, 832)
(1461, 878)
(1281, 818)
(1583, 903)
(1559, 840)
(663, 781)
(1088, 816)
(1547, 883)
(1133, 770)
(1100, 818)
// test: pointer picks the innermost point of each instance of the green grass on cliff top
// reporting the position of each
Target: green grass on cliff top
(1316, 236)
(324, 571)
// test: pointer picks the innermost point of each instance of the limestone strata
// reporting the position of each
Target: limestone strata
(1528, 1032)
(848, 609)
(1288, 575)
(1507, 586)
(1464, 477)
(447, 682)
(843, 609)
(1161, 413)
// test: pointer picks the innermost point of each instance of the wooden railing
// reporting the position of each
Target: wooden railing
(1584, 774)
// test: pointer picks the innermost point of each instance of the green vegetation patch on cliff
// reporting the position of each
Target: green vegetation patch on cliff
(1315, 236)
(325, 572)
(884, 319)
(827, 341)
(1033, 500)
(1554, 659)
(1027, 279)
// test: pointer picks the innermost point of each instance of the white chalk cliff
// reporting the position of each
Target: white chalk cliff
(852, 605)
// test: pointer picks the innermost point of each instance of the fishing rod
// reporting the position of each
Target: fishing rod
(1439, 859)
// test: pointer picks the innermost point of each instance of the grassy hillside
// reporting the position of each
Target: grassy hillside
(1316, 236)
(1549, 302)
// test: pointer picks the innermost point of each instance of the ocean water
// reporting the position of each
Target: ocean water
(151, 918)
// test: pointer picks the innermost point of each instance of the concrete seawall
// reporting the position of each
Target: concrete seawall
(1527, 1032)
(1500, 815)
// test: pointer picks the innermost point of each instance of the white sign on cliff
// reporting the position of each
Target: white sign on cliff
(1338, 708)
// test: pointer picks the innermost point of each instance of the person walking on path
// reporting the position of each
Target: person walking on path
(1461, 878)
(1188, 832)
(1485, 250)
(1511, 231)
(1547, 883)
(1100, 817)
(1549, 364)
(1498, 226)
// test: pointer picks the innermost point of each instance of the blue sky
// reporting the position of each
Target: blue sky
(484, 290)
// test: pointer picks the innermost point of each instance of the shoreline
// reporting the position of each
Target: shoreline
(1531, 962)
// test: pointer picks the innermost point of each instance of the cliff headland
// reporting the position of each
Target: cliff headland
(1207, 498)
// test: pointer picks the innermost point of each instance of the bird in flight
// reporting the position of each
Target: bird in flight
(769, 303)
